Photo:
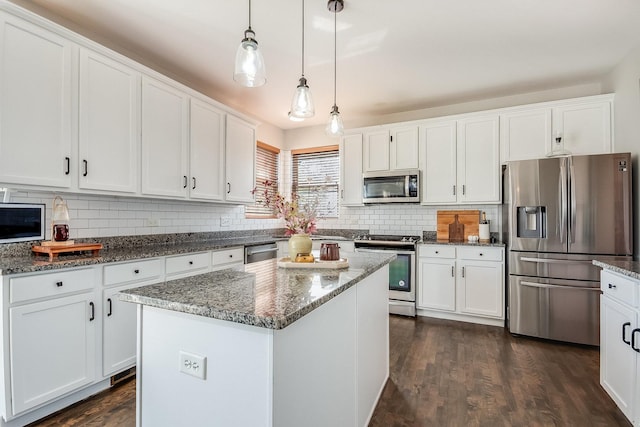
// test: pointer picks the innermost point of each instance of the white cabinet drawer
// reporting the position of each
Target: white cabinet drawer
(188, 263)
(437, 251)
(51, 284)
(135, 271)
(228, 256)
(480, 253)
(619, 287)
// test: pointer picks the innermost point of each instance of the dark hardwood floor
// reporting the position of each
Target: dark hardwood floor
(447, 373)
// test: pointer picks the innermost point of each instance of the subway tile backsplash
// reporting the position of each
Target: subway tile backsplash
(103, 216)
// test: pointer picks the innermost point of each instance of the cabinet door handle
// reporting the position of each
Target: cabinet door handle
(453, 271)
(59, 284)
(110, 312)
(67, 167)
(612, 286)
(93, 311)
(462, 271)
(85, 164)
(228, 187)
(633, 340)
(624, 334)
(454, 190)
(464, 189)
(194, 183)
(186, 180)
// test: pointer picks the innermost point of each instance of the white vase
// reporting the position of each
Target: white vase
(299, 244)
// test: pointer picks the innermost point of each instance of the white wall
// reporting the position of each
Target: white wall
(624, 80)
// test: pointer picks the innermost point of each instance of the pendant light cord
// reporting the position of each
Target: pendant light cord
(335, 52)
(250, 14)
(302, 38)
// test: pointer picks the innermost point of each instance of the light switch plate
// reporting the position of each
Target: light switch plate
(193, 364)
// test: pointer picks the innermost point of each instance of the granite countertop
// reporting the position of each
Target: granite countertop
(33, 263)
(264, 295)
(626, 268)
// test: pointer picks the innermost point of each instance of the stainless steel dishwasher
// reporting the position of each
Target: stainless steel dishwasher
(260, 252)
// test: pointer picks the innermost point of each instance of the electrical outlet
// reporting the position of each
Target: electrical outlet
(152, 222)
(225, 221)
(193, 364)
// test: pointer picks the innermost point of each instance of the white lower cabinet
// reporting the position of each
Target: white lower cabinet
(620, 342)
(461, 283)
(119, 318)
(118, 332)
(51, 337)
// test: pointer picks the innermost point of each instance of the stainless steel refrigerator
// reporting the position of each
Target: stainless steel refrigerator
(561, 213)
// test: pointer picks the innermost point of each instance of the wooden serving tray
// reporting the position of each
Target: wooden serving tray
(287, 263)
(54, 251)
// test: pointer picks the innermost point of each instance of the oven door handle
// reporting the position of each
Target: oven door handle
(382, 251)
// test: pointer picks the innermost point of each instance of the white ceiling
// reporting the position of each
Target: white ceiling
(393, 56)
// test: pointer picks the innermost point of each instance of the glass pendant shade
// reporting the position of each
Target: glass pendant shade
(335, 127)
(249, 69)
(302, 104)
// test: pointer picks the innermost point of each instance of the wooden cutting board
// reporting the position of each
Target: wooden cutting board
(469, 218)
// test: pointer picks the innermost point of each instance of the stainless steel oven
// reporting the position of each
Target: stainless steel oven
(402, 271)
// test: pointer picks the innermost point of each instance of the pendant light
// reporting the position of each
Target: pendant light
(249, 67)
(335, 127)
(302, 103)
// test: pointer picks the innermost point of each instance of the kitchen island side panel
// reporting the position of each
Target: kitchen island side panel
(237, 386)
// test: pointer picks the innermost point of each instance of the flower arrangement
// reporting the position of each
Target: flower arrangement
(298, 219)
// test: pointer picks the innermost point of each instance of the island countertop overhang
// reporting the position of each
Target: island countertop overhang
(265, 296)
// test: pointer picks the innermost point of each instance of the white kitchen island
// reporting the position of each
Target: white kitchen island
(274, 347)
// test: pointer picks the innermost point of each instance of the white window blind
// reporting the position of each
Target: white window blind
(266, 170)
(316, 178)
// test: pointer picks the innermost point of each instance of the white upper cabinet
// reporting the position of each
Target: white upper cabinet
(108, 124)
(478, 151)
(164, 139)
(376, 151)
(206, 163)
(438, 162)
(351, 170)
(391, 149)
(35, 105)
(403, 148)
(460, 161)
(585, 127)
(525, 134)
(240, 154)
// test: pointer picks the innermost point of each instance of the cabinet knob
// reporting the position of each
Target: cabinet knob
(437, 252)
(612, 286)
(136, 271)
(480, 253)
(231, 256)
(190, 262)
(59, 284)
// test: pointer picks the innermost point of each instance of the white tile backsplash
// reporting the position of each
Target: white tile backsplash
(104, 216)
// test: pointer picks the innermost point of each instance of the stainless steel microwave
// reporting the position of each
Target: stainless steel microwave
(400, 186)
(21, 222)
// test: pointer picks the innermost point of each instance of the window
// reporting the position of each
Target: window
(266, 170)
(316, 176)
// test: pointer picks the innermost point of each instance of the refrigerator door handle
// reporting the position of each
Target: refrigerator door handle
(563, 199)
(572, 195)
(556, 261)
(550, 286)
